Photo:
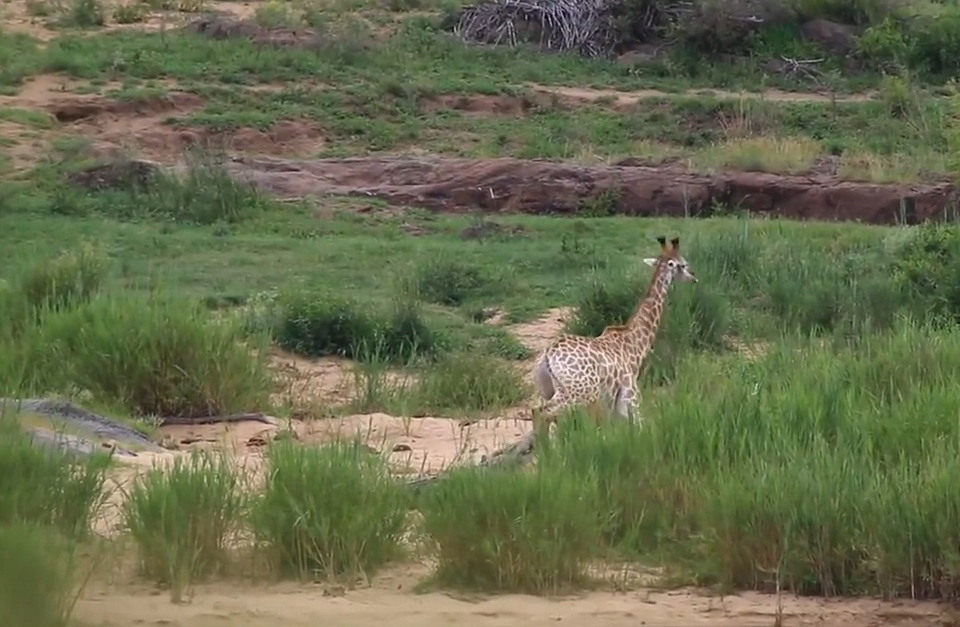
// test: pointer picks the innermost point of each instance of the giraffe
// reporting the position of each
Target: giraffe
(578, 370)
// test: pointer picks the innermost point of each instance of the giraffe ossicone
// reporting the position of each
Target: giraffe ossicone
(577, 370)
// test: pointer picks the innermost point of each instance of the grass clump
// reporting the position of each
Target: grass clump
(70, 279)
(319, 323)
(329, 512)
(39, 582)
(206, 194)
(469, 382)
(444, 280)
(46, 488)
(181, 519)
(158, 356)
(528, 532)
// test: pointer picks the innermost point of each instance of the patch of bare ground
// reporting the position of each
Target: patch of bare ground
(537, 334)
(312, 386)
(626, 99)
(546, 187)
(17, 18)
(389, 599)
(144, 126)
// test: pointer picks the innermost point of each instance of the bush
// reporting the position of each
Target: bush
(447, 281)
(158, 356)
(38, 581)
(470, 382)
(316, 324)
(46, 488)
(529, 532)
(329, 511)
(182, 517)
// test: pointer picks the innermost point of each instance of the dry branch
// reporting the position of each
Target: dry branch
(209, 420)
(584, 26)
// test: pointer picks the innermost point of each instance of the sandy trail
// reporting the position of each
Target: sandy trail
(390, 601)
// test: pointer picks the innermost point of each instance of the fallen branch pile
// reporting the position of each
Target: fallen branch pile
(584, 26)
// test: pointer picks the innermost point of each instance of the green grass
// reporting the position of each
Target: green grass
(329, 512)
(799, 407)
(44, 488)
(40, 579)
(527, 532)
(182, 519)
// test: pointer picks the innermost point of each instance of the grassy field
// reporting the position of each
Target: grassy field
(800, 427)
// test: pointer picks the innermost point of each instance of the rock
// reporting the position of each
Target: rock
(544, 187)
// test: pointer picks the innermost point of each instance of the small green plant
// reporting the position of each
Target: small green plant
(130, 13)
(39, 581)
(330, 511)
(182, 518)
(498, 530)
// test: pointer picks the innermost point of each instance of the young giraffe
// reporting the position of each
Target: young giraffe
(577, 370)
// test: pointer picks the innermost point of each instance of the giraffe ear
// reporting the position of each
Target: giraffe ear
(650, 261)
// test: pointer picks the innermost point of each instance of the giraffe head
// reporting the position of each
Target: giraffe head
(671, 261)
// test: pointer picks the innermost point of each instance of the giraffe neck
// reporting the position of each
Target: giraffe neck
(645, 321)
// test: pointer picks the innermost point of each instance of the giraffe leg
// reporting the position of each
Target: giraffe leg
(627, 401)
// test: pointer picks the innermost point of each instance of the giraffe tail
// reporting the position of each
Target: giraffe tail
(543, 378)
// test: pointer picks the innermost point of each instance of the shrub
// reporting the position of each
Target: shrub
(158, 356)
(329, 511)
(448, 281)
(472, 382)
(182, 517)
(46, 488)
(38, 581)
(321, 323)
(530, 532)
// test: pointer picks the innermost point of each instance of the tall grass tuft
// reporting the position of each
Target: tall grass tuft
(182, 518)
(45, 487)
(329, 512)
(530, 532)
(40, 579)
(158, 356)
(470, 382)
(206, 194)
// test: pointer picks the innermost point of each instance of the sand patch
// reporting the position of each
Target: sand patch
(540, 333)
